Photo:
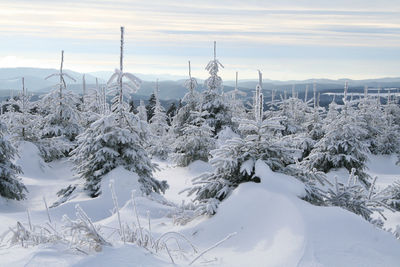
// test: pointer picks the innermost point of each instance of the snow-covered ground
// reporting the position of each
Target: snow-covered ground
(273, 226)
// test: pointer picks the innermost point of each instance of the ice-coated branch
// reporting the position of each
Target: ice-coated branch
(212, 247)
(116, 207)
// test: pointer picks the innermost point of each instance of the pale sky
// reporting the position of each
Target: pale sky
(287, 39)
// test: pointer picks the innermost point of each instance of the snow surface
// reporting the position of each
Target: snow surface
(273, 226)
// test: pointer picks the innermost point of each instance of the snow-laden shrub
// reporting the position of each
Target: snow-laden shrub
(355, 197)
(79, 234)
(54, 147)
(393, 192)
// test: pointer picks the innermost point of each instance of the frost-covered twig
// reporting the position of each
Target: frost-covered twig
(116, 207)
(136, 214)
(29, 219)
(213, 246)
(47, 209)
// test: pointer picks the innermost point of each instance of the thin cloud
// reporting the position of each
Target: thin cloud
(176, 29)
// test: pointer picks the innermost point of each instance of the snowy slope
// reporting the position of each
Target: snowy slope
(273, 226)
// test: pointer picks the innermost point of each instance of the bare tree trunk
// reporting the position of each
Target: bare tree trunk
(23, 107)
(83, 92)
(315, 94)
(61, 80)
(190, 79)
(258, 105)
(306, 94)
(121, 65)
(236, 87)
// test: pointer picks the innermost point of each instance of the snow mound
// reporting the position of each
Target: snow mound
(276, 228)
(101, 207)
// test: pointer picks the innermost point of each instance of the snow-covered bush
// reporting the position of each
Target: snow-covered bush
(354, 197)
(393, 191)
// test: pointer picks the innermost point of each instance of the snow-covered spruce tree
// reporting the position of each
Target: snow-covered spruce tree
(10, 185)
(393, 108)
(116, 139)
(191, 100)
(213, 102)
(10, 105)
(171, 112)
(159, 141)
(193, 134)
(89, 105)
(196, 140)
(132, 107)
(150, 106)
(343, 144)
(295, 113)
(96, 100)
(61, 120)
(388, 139)
(302, 123)
(234, 162)
(20, 122)
(313, 129)
(373, 117)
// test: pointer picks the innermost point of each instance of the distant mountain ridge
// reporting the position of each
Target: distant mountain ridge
(10, 79)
